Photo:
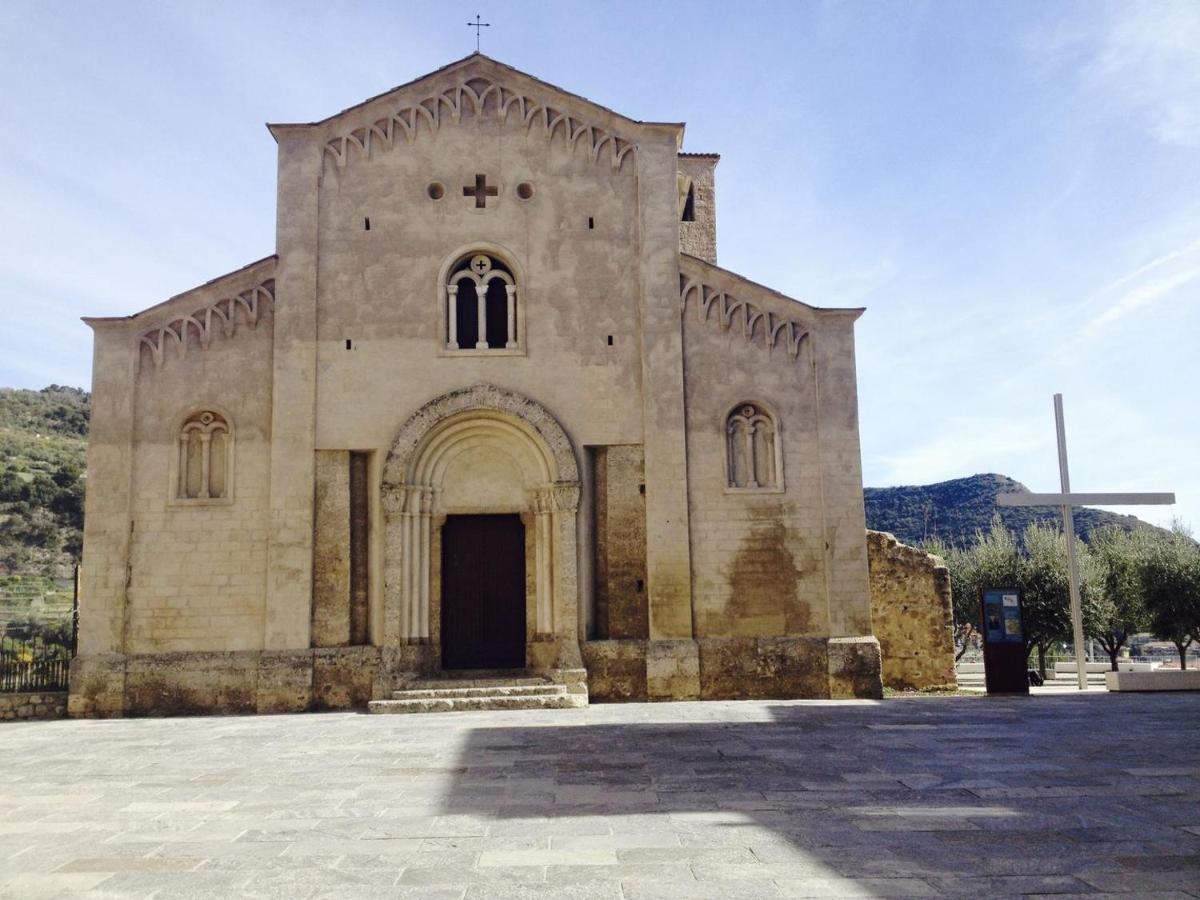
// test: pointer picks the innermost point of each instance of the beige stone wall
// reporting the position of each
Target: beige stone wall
(912, 614)
(197, 572)
(788, 561)
(191, 575)
(758, 565)
(699, 237)
(620, 535)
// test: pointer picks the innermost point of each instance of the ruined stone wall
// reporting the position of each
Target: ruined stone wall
(699, 237)
(620, 534)
(912, 614)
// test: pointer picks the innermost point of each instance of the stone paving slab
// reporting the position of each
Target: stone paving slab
(1066, 795)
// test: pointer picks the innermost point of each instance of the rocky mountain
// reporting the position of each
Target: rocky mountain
(955, 510)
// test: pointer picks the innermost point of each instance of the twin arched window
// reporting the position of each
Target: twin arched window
(481, 305)
(752, 449)
(204, 461)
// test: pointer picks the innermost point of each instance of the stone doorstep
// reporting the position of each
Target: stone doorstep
(558, 698)
(502, 690)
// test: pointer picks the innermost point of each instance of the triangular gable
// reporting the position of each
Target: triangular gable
(473, 86)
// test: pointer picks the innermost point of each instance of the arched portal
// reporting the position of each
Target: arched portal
(482, 451)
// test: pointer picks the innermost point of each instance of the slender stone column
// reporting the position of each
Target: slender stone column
(543, 560)
(412, 568)
(481, 342)
(510, 291)
(184, 440)
(425, 527)
(452, 316)
(205, 463)
(751, 463)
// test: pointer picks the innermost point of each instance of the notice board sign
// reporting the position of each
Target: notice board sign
(1005, 668)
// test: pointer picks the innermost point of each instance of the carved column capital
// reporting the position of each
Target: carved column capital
(564, 496)
(393, 501)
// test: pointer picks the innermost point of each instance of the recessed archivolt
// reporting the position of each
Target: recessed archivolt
(220, 317)
(503, 413)
(478, 97)
(757, 325)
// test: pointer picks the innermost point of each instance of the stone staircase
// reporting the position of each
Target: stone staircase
(463, 691)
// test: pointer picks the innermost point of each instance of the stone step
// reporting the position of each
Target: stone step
(426, 692)
(483, 681)
(557, 700)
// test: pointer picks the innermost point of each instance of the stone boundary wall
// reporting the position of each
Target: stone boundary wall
(35, 705)
(911, 614)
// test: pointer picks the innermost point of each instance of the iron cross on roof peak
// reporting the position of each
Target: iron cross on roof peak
(477, 25)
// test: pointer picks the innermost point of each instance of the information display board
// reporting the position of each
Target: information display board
(1005, 668)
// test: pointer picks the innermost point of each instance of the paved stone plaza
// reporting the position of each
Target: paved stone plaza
(953, 796)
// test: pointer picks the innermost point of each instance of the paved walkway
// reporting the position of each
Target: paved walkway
(952, 796)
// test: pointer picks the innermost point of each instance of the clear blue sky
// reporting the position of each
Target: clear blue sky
(1011, 189)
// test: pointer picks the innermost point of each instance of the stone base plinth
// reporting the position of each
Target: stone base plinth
(733, 669)
(251, 681)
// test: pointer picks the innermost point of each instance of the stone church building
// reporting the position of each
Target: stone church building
(491, 405)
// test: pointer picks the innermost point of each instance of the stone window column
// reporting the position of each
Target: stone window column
(452, 316)
(205, 463)
(481, 343)
(751, 468)
(510, 291)
(184, 441)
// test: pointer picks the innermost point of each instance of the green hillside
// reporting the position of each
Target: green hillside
(955, 510)
(43, 436)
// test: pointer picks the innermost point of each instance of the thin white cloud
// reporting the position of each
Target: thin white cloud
(1138, 59)
(1140, 296)
(1149, 62)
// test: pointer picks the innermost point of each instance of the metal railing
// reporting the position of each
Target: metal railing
(36, 647)
(33, 664)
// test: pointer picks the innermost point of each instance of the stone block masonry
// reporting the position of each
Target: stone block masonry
(38, 705)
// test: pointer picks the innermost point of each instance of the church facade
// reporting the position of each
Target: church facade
(491, 405)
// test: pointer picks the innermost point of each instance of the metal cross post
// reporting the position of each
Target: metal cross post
(1066, 500)
(478, 24)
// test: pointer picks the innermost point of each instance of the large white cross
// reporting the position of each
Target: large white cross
(1066, 500)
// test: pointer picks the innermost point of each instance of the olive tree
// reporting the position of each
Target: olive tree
(1171, 580)
(1120, 611)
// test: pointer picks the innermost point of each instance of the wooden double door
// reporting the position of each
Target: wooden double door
(483, 592)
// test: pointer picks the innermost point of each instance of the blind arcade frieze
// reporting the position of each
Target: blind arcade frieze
(201, 325)
(478, 97)
(757, 325)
